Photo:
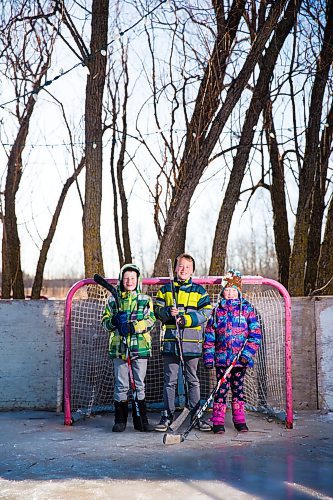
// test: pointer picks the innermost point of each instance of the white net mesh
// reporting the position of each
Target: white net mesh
(91, 379)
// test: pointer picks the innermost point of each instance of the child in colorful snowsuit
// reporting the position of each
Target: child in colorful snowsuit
(192, 311)
(129, 330)
(233, 320)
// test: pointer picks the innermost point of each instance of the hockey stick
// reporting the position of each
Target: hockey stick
(104, 283)
(179, 438)
(185, 412)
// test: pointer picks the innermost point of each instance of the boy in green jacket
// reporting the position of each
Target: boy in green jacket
(129, 330)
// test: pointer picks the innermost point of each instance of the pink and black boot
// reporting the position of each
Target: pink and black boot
(238, 416)
(219, 410)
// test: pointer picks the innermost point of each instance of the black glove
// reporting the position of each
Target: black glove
(209, 366)
(243, 361)
(181, 321)
(123, 326)
(119, 319)
(126, 329)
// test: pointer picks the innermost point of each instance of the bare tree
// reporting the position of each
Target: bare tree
(26, 49)
(323, 255)
(210, 116)
(95, 60)
(260, 96)
(278, 197)
(318, 206)
(96, 63)
(117, 85)
(38, 280)
(309, 171)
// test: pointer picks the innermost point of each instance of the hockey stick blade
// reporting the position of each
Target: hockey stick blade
(173, 438)
(105, 284)
(179, 420)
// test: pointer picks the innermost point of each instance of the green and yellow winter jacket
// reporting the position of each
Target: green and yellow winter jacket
(139, 308)
(194, 304)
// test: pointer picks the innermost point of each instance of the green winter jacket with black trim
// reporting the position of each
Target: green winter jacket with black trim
(139, 308)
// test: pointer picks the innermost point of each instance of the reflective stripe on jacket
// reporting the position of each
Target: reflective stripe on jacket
(193, 303)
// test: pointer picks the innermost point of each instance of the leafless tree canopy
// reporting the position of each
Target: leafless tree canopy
(183, 106)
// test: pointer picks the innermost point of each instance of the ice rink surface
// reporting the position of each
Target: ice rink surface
(42, 459)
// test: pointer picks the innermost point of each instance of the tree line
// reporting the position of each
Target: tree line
(242, 89)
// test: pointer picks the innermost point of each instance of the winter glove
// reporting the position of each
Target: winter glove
(126, 329)
(243, 361)
(123, 326)
(181, 322)
(119, 319)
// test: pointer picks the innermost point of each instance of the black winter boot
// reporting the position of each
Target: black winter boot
(120, 416)
(141, 423)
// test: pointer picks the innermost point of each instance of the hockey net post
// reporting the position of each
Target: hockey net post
(88, 370)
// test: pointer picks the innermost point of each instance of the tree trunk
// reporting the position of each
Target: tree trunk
(299, 255)
(38, 281)
(207, 123)
(174, 236)
(12, 276)
(258, 100)
(278, 197)
(324, 264)
(318, 208)
(239, 83)
(11, 258)
(114, 184)
(192, 166)
(93, 260)
(314, 237)
(120, 170)
(122, 236)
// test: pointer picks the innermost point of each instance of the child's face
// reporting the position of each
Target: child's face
(130, 280)
(184, 269)
(230, 293)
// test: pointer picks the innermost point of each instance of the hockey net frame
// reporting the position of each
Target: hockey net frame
(88, 371)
